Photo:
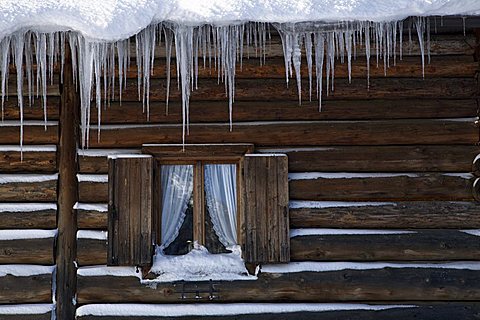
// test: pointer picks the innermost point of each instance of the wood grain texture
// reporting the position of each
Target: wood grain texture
(217, 111)
(33, 112)
(91, 252)
(31, 134)
(381, 132)
(92, 191)
(275, 89)
(388, 284)
(417, 214)
(14, 161)
(30, 289)
(45, 191)
(44, 219)
(89, 219)
(422, 186)
(382, 158)
(421, 246)
(27, 251)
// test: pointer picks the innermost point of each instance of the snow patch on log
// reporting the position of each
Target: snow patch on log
(26, 178)
(13, 234)
(336, 204)
(345, 175)
(96, 178)
(331, 232)
(92, 234)
(105, 152)
(99, 271)
(473, 232)
(28, 148)
(224, 309)
(100, 207)
(24, 270)
(27, 207)
(26, 309)
(293, 267)
(462, 175)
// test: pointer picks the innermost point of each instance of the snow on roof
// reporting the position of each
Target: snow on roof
(120, 19)
(224, 309)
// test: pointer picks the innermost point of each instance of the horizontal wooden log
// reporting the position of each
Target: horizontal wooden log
(44, 316)
(275, 89)
(393, 132)
(91, 251)
(15, 161)
(441, 44)
(92, 191)
(424, 186)
(422, 246)
(44, 219)
(382, 158)
(11, 110)
(36, 134)
(45, 191)
(418, 214)
(217, 111)
(27, 251)
(440, 66)
(90, 219)
(26, 289)
(388, 284)
(439, 311)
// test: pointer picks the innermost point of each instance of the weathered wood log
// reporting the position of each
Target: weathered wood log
(26, 289)
(441, 44)
(92, 191)
(90, 219)
(44, 219)
(382, 158)
(66, 249)
(422, 246)
(392, 132)
(275, 89)
(34, 112)
(28, 251)
(43, 316)
(418, 214)
(438, 311)
(36, 134)
(388, 284)
(217, 111)
(12, 161)
(440, 66)
(45, 191)
(91, 251)
(408, 187)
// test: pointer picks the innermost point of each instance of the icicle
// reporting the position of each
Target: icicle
(19, 43)
(420, 25)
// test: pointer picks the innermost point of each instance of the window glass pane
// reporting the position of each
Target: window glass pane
(177, 208)
(221, 206)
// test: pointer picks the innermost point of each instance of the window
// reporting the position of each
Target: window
(218, 195)
(203, 195)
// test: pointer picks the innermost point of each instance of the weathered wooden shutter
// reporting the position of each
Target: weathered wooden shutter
(265, 224)
(130, 183)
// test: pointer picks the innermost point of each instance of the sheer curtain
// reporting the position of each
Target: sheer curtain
(177, 187)
(221, 196)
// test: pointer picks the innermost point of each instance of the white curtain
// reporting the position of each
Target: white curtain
(221, 195)
(177, 187)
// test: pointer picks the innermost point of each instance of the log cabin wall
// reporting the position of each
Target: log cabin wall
(385, 174)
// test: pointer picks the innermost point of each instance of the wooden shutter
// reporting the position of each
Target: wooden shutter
(265, 224)
(130, 183)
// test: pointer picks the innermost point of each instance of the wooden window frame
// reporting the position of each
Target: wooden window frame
(197, 155)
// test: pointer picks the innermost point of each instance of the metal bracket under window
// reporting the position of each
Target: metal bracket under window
(198, 290)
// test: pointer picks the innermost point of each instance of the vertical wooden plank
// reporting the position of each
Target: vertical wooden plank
(266, 209)
(132, 209)
(112, 217)
(67, 193)
(198, 204)
(157, 202)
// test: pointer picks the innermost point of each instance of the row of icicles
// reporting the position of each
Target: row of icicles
(100, 68)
